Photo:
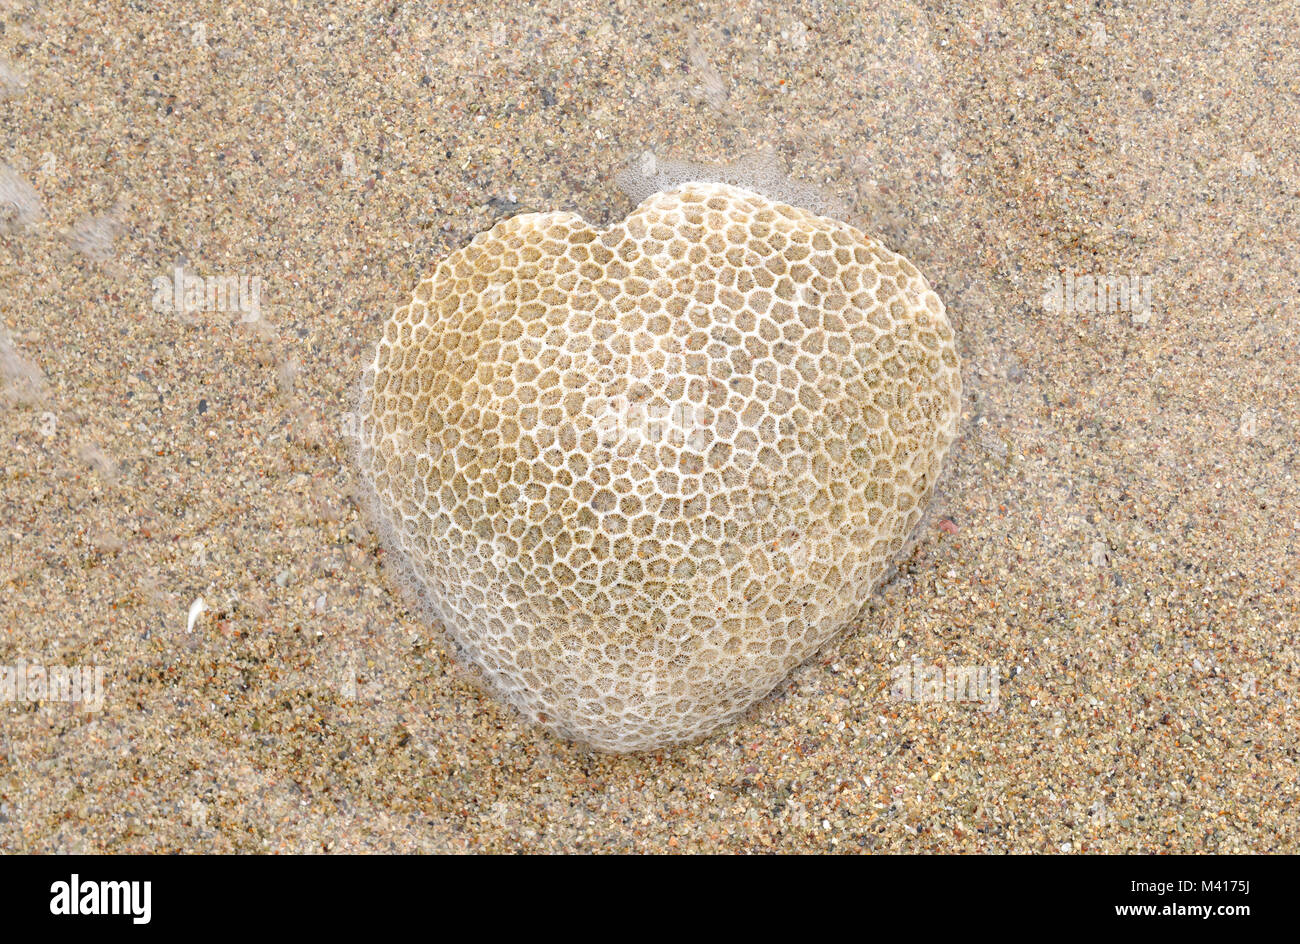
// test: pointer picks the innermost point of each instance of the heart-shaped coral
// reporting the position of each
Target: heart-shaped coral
(642, 472)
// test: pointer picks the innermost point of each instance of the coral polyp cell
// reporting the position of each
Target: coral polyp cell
(640, 473)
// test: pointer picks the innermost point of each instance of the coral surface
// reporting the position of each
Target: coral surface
(642, 472)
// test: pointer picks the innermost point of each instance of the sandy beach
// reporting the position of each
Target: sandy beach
(208, 211)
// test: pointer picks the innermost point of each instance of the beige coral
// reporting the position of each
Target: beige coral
(640, 473)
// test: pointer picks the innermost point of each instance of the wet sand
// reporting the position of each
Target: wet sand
(1117, 536)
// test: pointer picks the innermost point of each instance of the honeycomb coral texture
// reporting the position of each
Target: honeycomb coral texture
(642, 472)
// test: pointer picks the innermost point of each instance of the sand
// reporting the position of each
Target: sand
(1117, 538)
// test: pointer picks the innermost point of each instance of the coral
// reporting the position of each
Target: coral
(640, 473)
